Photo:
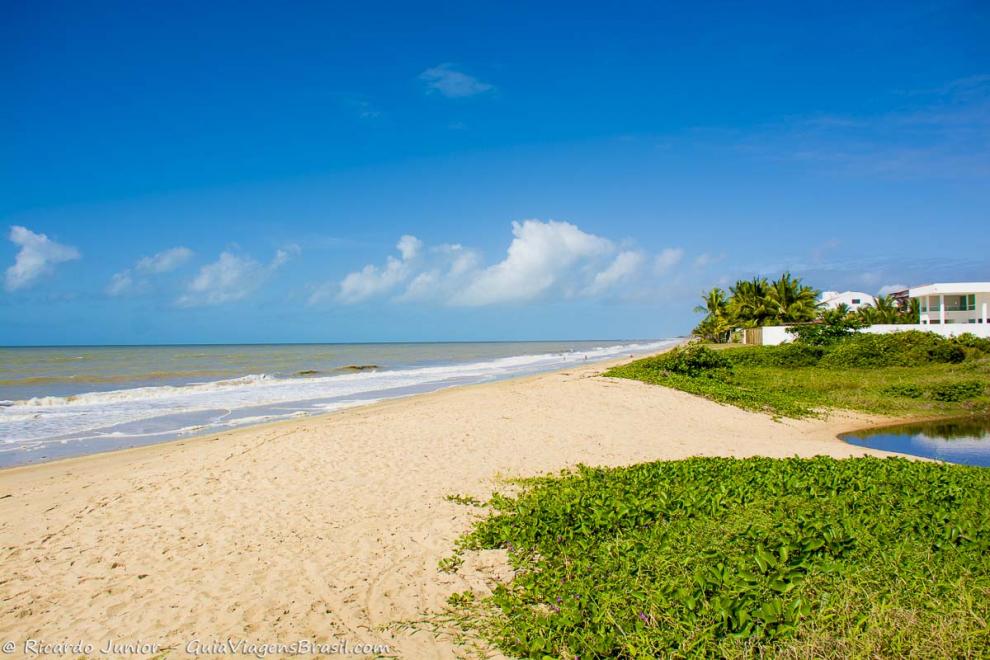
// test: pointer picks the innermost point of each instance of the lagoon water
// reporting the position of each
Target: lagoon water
(64, 401)
(965, 440)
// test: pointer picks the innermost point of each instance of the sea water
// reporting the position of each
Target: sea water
(64, 401)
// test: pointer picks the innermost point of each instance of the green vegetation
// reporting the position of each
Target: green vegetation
(758, 302)
(724, 557)
(753, 303)
(918, 373)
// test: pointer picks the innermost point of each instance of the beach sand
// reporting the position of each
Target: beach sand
(330, 527)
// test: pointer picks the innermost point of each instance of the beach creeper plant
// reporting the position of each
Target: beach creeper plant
(740, 558)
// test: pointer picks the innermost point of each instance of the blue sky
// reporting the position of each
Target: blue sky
(314, 171)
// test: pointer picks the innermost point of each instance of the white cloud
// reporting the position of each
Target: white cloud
(125, 282)
(120, 283)
(371, 280)
(622, 269)
(164, 261)
(282, 255)
(409, 247)
(706, 259)
(37, 257)
(544, 260)
(667, 259)
(231, 278)
(452, 83)
(542, 256)
(449, 269)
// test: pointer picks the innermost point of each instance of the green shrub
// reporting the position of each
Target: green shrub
(896, 349)
(785, 355)
(690, 361)
(956, 391)
(979, 345)
(908, 391)
(826, 332)
(948, 352)
(712, 557)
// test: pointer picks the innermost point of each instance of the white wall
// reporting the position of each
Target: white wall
(774, 335)
(950, 330)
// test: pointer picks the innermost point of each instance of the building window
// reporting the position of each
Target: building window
(856, 301)
(963, 303)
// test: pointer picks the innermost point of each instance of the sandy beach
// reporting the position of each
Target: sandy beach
(329, 528)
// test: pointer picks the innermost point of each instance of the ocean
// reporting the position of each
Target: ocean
(57, 402)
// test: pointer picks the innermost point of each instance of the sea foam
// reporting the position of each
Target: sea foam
(170, 410)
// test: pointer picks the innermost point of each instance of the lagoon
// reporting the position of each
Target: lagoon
(962, 440)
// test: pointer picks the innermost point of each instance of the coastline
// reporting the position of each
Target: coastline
(275, 424)
(41, 426)
(330, 527)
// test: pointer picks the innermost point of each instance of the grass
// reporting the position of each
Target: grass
(739, 558)
(910, 374)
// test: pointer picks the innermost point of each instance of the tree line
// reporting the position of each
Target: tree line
(759, 301)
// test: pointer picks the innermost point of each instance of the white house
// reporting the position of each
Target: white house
(946, 308)
(853, 299)
(953, 302)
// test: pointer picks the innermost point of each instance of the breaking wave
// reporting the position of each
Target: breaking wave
(169, 410)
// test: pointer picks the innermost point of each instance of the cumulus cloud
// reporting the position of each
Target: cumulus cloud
(667, 259)
(409, 247)
(121, 283)
(230, 278)
(622, 269)
(164, 261)
(706, 259)
(447, 270)
(543, 260)
(37, 257)
(448, 81)
(371, 280)
(542, 256)
(135, 280)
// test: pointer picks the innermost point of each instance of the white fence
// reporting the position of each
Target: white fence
(947, 330)
(773, 335)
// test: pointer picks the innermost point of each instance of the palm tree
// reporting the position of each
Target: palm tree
(867, 314)
(748, 304)
(886, 309)
(716, 326)
(883, 310)
(909, 313)
(790, 301)
(714, 303)
(837, 314)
